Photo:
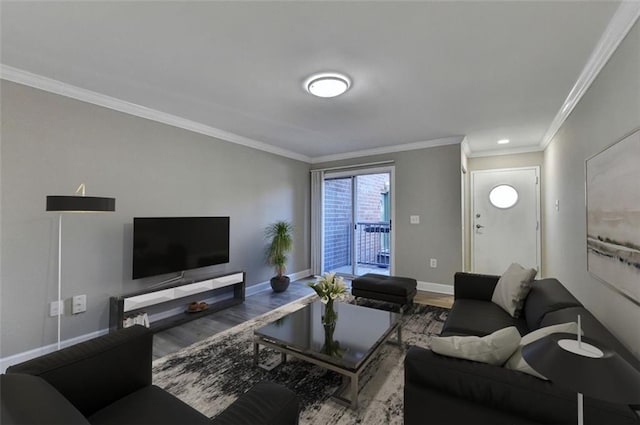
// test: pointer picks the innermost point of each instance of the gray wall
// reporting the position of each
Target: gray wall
(506, 161)
(50, 144)
(427, 184)
(609, 110)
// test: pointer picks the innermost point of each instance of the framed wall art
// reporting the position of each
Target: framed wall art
(613, 216)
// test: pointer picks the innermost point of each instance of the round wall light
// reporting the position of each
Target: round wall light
(327, 84)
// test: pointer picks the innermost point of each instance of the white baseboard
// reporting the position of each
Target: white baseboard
(40, 351)
(266, 286)
(300, 275)
(438, 288)
(257, 288)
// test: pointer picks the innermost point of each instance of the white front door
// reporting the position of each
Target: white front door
(505, 219)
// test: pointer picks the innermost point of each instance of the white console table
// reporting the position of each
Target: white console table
(175, 294)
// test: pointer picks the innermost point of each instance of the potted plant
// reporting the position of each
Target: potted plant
(281, 235)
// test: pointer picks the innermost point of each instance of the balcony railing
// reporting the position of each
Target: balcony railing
(372, 243)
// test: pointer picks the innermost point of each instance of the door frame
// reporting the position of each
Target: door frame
(391, 169)
(538, 208)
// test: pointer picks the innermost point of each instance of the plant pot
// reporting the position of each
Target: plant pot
(280, 284)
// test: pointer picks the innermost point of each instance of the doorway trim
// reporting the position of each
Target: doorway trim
(471, 232)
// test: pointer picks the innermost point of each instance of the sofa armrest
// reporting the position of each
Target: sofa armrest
(95, 373)
(474, 286)
(506, 390)
(26, 399)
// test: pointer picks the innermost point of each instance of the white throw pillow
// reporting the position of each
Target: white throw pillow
(517, 362)
(512, 289)
(494, 349)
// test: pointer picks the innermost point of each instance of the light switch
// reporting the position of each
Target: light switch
(414, 219)
(79, 304)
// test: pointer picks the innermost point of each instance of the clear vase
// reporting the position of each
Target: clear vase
(330, 316)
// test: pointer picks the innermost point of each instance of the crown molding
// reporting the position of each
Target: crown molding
(617, 29)
(454, 140)
(26, 78)
(465, 147)
(506, 151)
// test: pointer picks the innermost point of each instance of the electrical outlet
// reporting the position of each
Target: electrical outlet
(433, 263)
(414, 219)
(79, 304)
(56, 308)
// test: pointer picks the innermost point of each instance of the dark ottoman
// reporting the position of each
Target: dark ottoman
(393, 289)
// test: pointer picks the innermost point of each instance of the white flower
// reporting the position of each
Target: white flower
(329, 286)
(329, 276)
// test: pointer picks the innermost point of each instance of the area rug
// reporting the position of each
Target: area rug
(211, 374)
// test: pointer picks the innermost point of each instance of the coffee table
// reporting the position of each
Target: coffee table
(360, 331)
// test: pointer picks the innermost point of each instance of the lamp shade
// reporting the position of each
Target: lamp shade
(80, 204)
(601, 374)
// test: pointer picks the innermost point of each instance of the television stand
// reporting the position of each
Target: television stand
(167, 306)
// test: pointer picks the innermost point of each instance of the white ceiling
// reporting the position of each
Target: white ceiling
(421, 70)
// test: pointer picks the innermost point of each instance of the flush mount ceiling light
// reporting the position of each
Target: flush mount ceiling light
(327, 84)
(503, 141)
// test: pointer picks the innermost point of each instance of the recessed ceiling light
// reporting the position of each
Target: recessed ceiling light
(503, 141)
(327, 84)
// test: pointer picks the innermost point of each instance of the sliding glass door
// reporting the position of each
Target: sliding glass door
(357, 231)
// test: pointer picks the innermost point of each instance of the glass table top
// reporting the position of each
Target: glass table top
(358, 332)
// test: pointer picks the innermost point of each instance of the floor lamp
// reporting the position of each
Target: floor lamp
(584, 366)
(78, 203)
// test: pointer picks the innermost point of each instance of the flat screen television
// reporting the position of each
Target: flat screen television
(175, 244)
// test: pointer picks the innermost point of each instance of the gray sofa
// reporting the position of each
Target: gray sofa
(107, 380)
(441, 389)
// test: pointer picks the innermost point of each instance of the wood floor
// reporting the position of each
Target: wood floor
(176, 338)
(431, 298)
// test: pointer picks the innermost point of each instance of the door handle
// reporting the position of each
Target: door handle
(479, 226)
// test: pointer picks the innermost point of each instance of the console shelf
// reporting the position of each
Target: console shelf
(174, 300)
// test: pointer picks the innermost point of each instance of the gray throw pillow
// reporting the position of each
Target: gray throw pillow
(494, 349)
(512, 289)
(517, 362)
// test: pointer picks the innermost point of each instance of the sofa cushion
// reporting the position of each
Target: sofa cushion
(95, 373)
(474, 286)
(517, 362)
(502, 389)
(480, 318)
(494, 348)
(150, 405)
(26, 399)
(546, 296)
(512, 288)
(265, 403)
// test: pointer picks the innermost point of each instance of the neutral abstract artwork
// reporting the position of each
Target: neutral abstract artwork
(613, 216)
